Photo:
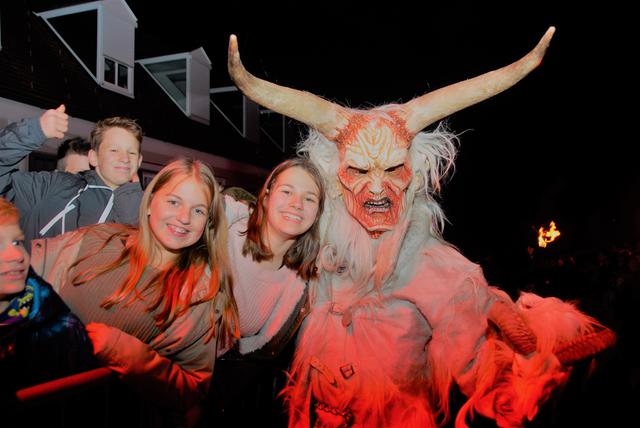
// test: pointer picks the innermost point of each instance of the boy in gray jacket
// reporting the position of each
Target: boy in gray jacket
(52, 203)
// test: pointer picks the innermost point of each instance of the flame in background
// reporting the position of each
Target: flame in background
(547, 236)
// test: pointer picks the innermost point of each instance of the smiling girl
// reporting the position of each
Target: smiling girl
(157, 300)
(273, 251)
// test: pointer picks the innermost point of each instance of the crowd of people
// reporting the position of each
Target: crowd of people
(336, 273)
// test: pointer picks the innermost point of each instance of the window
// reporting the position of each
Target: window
(185, 78)
(123, 76)
(101, 36)
(110, 71)
(171, 75)
(79, 32)
(116, 73)
(248, 119)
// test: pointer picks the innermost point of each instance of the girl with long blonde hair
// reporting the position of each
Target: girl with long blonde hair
(157, 300)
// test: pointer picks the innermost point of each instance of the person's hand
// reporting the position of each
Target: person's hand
(123, 353)
(54, 123)
(103, 338)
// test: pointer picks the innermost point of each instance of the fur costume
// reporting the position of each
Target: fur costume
(398, 315)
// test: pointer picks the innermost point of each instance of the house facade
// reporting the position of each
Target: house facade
(89, 56)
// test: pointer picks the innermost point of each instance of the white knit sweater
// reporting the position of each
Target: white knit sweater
(265, 298)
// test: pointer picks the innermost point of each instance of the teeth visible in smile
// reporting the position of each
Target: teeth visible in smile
(293, 217)
(178, 229)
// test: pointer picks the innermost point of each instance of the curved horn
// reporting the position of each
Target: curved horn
(303, 106)
(585, 346)
(436, 105)
(513, 327)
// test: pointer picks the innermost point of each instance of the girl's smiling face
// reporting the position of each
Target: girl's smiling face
(292, 204)
(178, 215)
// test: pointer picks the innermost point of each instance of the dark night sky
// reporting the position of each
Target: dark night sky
(557, 146)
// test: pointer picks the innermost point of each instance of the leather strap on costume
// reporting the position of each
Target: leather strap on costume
(513, 327)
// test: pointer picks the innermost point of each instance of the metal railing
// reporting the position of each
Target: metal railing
(95, 398)
(60, 388)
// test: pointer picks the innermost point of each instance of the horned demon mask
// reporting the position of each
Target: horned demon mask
(373, 145)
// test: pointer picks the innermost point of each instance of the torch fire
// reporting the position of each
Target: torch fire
(547, 236)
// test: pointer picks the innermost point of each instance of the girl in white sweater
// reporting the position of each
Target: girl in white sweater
(273, 252)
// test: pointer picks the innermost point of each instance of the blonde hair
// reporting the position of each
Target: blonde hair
(188, 267)
(97, 133)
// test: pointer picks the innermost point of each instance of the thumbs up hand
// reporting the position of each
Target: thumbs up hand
(55, 123)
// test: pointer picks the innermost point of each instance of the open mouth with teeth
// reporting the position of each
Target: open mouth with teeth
(378, 206)
(177, 230)
(292, 217)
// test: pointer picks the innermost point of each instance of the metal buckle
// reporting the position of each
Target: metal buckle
(347, 371)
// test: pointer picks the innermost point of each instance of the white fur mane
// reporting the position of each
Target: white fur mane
(345, 244)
